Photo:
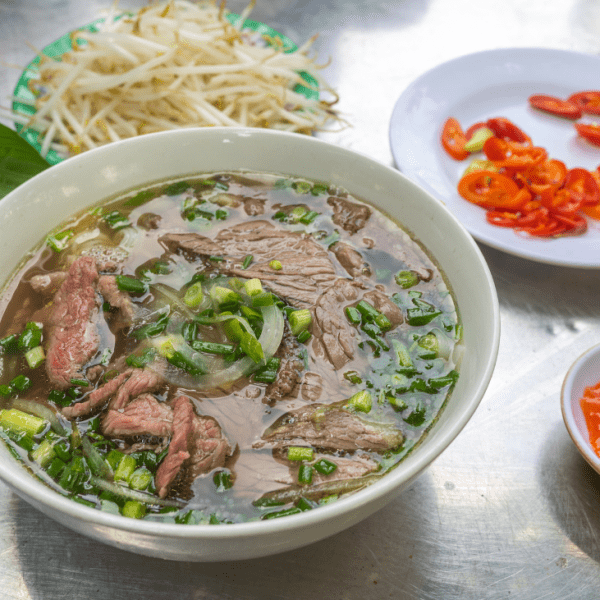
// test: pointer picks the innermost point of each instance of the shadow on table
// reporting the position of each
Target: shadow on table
(384, 556)
(572, 490)
(525, 285)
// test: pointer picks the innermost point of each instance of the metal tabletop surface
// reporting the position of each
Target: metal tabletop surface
(510, 510)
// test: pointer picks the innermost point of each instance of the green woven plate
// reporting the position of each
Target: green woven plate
(63, 45)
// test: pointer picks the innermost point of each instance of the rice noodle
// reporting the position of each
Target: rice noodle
(171, 65)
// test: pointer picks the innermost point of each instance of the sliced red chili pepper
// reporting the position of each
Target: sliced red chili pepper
(592, 211)
(513, 155)
(471, 130)
(545, 177)
(502, 218)
(491, 190)
(556, 106)
(588, 101)
(591, 132)
(564, 202)
(575, 224)
(453, 139)
(583, 186)
(507, 130)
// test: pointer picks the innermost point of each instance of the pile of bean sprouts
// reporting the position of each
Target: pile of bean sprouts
(172, 65)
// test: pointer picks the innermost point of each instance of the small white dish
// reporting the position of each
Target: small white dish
(584, 372)
(497, 83)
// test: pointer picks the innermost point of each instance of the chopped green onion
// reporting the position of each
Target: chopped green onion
(368, 311)
(252, 347)
(309, 217)
(10, 344)
(193, 295)
(116, 220)
(423, 314)
(19, 421)
(113, 458)
(352, 377)
(276, 265)
(44, 453)
(299, 320)
(361, 401)
(222, 296)
(440, 382)
(222, 479)
(31, 337)
(353, 315)
(300, 453)
(247, 261)
(5, 391)
(325, 467)
(58, 242)
(303, 336)
(35, 357)
(407, 279)
(305, 474)
(130, 284)
(140, 479)
(133, 509)
(21, 383)
(212, 347)
(140, 361)
(125, 469)
(263, 299)
(430, 344)
(253, 287)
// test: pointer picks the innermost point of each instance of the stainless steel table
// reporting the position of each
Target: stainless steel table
(510, 510)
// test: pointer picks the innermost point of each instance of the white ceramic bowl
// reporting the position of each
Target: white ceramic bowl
(29, 212)
(584, 372)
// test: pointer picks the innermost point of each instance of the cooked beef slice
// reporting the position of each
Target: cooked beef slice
(107, 286)
(143, 416)
(140, 381)
(119, 391)
(306, 272)
(348, 467)
(386, 306)
(333, 335)
(349, 216)
(197, 446)
(331, 427)
(350, 259)
(48, 284)
(290, 369)
(74, 337)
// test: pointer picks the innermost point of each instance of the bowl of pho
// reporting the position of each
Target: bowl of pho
(226, 343)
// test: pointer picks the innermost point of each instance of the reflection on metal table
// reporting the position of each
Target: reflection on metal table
(510, 509)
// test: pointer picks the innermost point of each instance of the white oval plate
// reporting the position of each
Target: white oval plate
(497, 83)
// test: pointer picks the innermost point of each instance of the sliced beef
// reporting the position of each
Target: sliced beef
(143, 416)
(254, 206)
(348, 467)
(74, 337)
(119, 391)
(306, 272)
(140, 381)
(107, 286)
(331, 427)
(97, 399)
(333, 335)
(197, 446)
(350, 259)
(386, 306)
(48, 284)
(290, 369)
(208, 449)
(348, 215)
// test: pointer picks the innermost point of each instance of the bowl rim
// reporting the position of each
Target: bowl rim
(570, 394)
(29, 487)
